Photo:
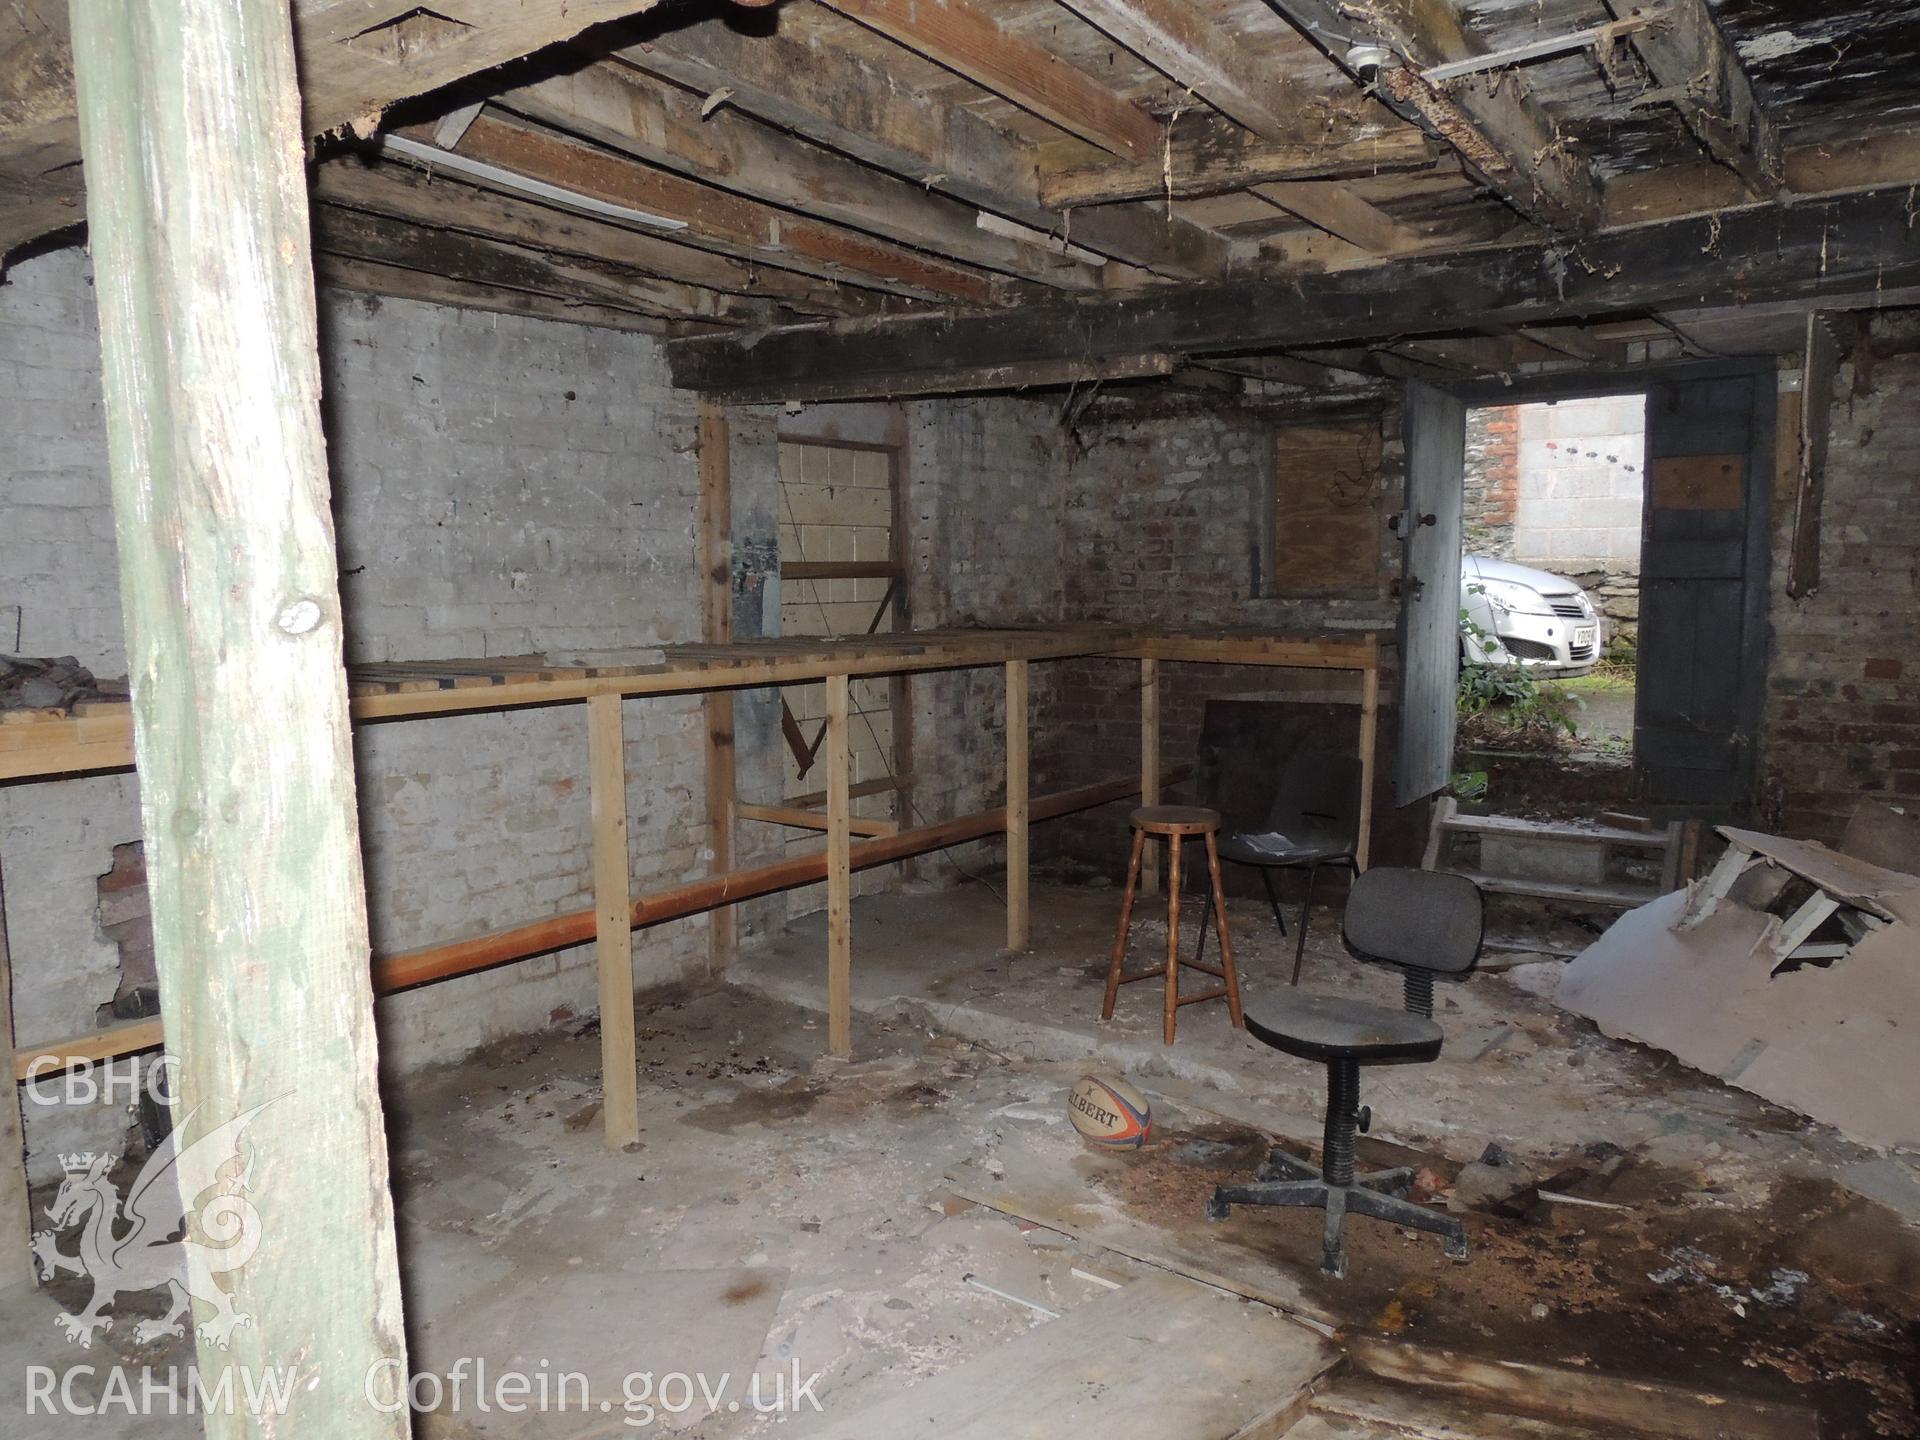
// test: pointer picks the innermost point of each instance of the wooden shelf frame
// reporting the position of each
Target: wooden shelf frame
(49, 748)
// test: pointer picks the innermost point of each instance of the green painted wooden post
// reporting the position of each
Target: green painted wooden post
(197, 212)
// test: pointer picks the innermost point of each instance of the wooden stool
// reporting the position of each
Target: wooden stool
(1178, 823)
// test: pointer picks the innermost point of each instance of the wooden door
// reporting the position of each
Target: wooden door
(1703, 594)
(1436, 429)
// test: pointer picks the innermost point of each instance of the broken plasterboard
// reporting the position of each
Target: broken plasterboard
(1840, 1044)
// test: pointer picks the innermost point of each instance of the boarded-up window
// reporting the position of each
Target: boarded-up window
(1324, 530)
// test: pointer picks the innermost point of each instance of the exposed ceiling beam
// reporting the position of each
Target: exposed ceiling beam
(1500, 130)
(1767, 252)
(834, 98)
(358, 235)
(407, 194)
(1211, 62)
(660, 123)
(356, 57)
(1332, 206)
(1209, 156)
(1689, 58)
(367, 277)
(717, 220)
(969, 42)
(958, 380)
(1860, 163)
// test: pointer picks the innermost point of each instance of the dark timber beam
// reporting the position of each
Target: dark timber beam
(1690, 59)
(841, 101)
(1761, 253)
(1500, 130)
(197, 213)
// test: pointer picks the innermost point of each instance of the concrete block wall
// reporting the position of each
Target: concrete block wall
(1843, 705)
(501, 485)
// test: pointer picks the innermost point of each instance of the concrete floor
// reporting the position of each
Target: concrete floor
(784, 1210)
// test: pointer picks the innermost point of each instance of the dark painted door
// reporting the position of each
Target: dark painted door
(1703, 594)
(1436, 433)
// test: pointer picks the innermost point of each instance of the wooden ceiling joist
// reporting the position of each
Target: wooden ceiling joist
(1769, 253)
(1500, 130)
(662, 125)
(717, 220)
(1692, 63)
(407, 194)
(344, 79)
(1208, 156)
(1210, 62)
(477, 260)
(969, 42)
(839, 100)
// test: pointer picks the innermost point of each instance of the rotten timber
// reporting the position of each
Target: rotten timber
(1850, 244)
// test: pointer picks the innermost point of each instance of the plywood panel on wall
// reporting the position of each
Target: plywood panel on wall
(1325, 511)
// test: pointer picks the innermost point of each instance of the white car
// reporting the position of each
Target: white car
(1514, 613)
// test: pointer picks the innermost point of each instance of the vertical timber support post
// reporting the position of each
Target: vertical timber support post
(1369, 743)
(1019, 925)
(613, 920)
(16, 1217)
(197, 215)
(839, 873)
(716, 548)
(1150, 766)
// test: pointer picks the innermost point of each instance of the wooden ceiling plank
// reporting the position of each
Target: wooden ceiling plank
(407, 194)
(1210, 157)
(1500, 130)
(366, 277)
(965, 40)
(1688, 56)
(718, 220)
(661, 124)
(1768, 253)
(1205, 59)
(838, 100)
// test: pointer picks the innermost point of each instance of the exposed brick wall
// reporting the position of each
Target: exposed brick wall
(501, 485)
(1843, 706)
(1492, 501)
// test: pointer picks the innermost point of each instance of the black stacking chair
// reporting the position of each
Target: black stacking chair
(1426, 924)
(1315, 821)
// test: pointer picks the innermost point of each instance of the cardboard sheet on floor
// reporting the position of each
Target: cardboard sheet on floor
(1054, 1178)
(1160, 1359)
(607, 1326)
(1840, 1044)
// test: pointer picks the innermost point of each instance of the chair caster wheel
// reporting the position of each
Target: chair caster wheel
(1334, 1263)
(1364, 1119)
(1217, 1209)
(1458, 1250)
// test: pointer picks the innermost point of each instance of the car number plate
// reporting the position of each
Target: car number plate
(1583, 636)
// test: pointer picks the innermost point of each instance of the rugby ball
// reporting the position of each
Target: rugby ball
(1109, 1112)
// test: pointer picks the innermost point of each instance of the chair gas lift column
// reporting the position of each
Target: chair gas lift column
(1426, 924)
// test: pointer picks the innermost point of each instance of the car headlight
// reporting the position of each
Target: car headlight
(1512, 596)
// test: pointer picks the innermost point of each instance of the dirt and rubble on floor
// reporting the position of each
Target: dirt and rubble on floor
(789, 1215)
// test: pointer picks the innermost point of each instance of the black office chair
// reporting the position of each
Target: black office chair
(1426, 924)
(1314, 821)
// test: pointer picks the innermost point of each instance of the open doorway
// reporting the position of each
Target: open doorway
(1554, 506)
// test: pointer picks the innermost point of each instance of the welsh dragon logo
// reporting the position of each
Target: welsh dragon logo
(151, 1239)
